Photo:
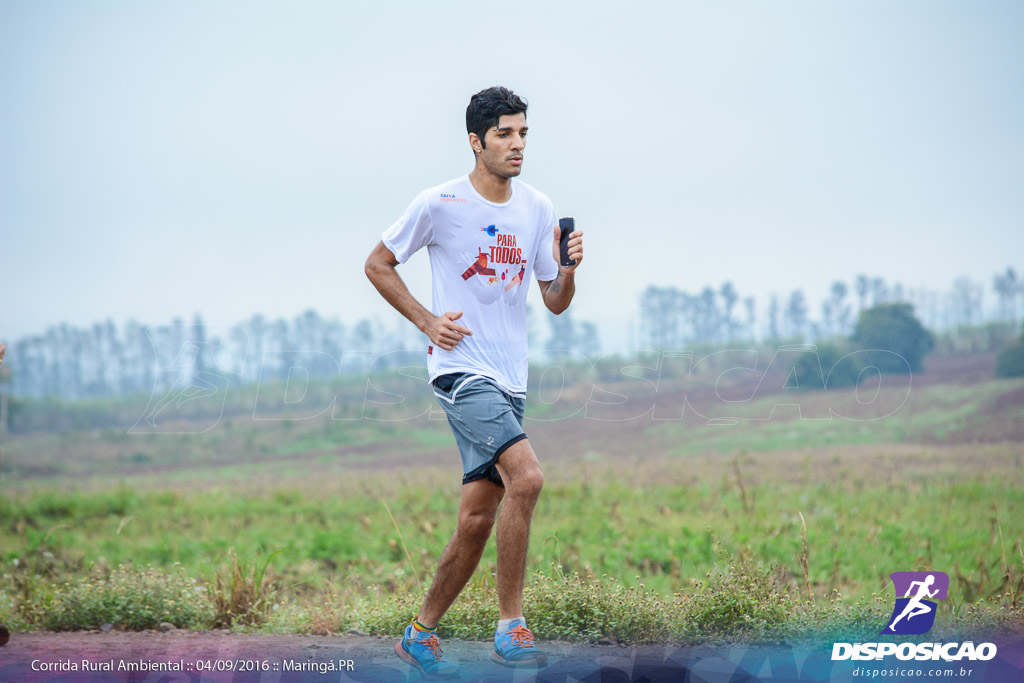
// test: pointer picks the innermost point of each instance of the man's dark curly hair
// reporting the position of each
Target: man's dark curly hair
(487, 106)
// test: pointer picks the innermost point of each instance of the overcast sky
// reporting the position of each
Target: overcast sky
(163, 158)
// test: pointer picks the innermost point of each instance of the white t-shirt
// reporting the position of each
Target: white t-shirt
(481, 256)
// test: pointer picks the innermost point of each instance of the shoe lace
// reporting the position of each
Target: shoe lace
(435, 646)
(521, 636)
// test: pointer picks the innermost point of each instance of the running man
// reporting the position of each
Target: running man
(915, 606)
(481, 230)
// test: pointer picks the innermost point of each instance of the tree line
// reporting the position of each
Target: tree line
(672, 318)
(104, 361)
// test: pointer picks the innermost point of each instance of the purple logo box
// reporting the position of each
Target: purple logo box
(902, 580)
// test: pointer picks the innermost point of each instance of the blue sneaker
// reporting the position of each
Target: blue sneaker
(515, 647)
(422, 650)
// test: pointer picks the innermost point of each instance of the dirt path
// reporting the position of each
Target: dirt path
(65, 657)
(221, 657)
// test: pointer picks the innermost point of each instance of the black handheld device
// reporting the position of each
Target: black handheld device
(567, 225)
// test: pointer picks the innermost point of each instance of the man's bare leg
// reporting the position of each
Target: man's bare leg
(477, 509)
(520, 471)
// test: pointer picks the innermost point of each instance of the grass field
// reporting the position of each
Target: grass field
(350, 513)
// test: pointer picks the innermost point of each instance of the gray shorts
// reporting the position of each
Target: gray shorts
(485, 420)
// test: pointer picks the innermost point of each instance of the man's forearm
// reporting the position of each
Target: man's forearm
(559, 293)
(389, 283)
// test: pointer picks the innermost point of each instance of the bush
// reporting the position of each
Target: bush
(473, 616)
(587, 609)
(834, 620)
(740, 600)
(737, 597)
(1010, 361)
(389, 616)
(128, 598)
(892, 328)
(240, 595)
(831, 367)
(567, 607)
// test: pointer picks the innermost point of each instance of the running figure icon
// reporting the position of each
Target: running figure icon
(916, 607)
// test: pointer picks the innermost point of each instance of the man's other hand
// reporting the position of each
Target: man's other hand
(445, 332)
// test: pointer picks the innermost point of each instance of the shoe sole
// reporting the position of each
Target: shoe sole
(411, 661)
(537, 662)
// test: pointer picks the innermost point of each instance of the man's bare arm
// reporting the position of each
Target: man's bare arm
(441, 329)
(558, 293)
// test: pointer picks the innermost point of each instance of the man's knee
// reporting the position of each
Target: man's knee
(520, 470)
(476, 526)
(527, 483)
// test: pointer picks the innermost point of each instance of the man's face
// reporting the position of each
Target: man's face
(503, 153)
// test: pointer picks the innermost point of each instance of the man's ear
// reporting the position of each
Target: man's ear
(476, 143)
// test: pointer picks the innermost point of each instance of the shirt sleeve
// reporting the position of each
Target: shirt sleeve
(411, 232)
(545, 268)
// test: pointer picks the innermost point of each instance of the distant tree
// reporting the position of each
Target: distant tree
(879, 291)
(966, 300)
(706, 316)
(74, 341)
(897, 292)
(689, 326)
(5, 383)
(308, 331)
(203, 360)
(257, 329)
(1010, 361)
(92, 361)
(563, 337)
(31, 378)
(589, 342)
(925, 303)
(175, 342)
(530, 323)
(660, 310)
(840, 309)
(279, 334)
(311, 338)
(751, 305)
(143, 356)
(830, 368)
(362, 336)
(241, 345)
(893, 327)
(55, 346)
(828, 323)
(115, 360)
(334, 344)
(862, 286)
(1007, 286)
(796, 313)
(5, 374)
(773, 317)
(729, 298)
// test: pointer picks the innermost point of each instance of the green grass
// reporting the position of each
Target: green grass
(663, 530)
(867, 514)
